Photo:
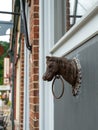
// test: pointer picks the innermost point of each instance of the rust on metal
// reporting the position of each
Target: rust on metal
(62, 92)
(69, 69)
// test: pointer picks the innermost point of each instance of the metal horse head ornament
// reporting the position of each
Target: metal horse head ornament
(69, 69)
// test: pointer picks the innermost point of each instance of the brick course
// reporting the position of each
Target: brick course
(34, 66)
(21, 82)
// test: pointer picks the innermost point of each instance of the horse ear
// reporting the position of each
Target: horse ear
(48, 57)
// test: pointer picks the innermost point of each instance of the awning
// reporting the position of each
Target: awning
(4, 87)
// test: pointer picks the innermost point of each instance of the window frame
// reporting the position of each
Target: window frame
(73, 38)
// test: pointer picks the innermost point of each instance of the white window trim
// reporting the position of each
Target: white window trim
(46, 119)
(26, 89)
(26, 80)
(86, 28)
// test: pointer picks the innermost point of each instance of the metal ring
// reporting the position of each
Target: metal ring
(58, 77)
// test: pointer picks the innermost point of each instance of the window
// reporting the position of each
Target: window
(78, 8)
(67, 13)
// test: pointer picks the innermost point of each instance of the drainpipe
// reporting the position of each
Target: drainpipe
(29, 47)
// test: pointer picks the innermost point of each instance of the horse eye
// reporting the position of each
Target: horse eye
(49, 66)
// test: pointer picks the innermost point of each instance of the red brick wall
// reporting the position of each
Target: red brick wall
(34, 65)
(15, 51)
(15, 76)
(21, 82)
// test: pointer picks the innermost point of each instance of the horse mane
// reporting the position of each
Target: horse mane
(57, 60)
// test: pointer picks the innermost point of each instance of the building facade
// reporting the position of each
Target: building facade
(25, 75)
(64, 28)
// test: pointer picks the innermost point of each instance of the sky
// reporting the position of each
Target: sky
(5, 5)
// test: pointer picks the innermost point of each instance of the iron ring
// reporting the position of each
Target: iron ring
(58, 77)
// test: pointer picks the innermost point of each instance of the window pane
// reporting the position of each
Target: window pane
(59, 19)
(78, 8)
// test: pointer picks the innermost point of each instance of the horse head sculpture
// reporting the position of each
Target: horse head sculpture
(69, 69)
